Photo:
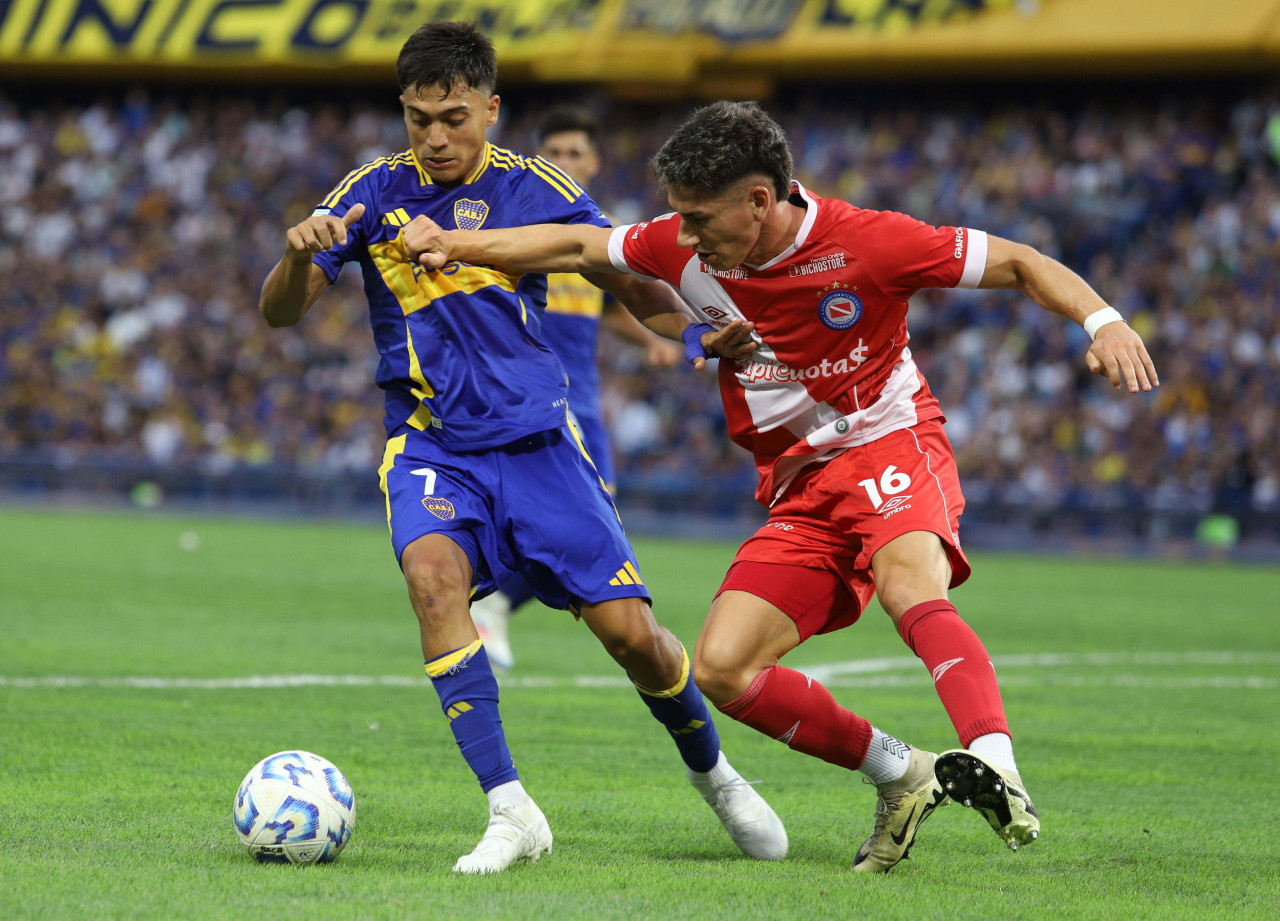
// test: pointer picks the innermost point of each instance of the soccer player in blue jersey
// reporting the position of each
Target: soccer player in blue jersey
(483, 474)
(569, 138)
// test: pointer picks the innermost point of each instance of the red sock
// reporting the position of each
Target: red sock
(793, 708)
(962, 672)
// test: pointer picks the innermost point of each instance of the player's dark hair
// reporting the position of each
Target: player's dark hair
(559, 119)
(447, 54)
(722, 143)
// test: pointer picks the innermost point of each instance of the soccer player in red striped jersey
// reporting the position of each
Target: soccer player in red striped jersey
(855, 468)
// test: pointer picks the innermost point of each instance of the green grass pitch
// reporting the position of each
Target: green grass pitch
(1144, 697)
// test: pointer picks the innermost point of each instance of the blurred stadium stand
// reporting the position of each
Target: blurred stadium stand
(148, 169)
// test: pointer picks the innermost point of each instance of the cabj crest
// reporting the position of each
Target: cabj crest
(469, 214)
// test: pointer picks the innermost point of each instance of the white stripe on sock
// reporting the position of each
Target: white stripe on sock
(887, 758)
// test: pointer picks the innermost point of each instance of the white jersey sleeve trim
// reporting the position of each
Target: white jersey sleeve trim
(975, 260)
(616, 239)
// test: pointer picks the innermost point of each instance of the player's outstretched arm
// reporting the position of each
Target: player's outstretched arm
(1117, 352)
(294, 284)
(535, 248)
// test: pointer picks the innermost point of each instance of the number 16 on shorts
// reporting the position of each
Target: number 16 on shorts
(886, 492)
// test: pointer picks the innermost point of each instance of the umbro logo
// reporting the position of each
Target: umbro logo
(790, 734)
(945, 667)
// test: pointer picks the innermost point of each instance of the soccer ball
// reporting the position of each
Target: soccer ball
(294, 807)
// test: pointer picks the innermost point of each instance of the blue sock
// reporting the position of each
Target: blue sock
(517, 591)
(469, 698)
(683, 711)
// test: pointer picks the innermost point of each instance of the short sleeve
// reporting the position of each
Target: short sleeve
(552, 197)
(345, 196)
(648, 249)
(903, 254)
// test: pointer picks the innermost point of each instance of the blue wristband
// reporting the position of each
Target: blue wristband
(692, 337)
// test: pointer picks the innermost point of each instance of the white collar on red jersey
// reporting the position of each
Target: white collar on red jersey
(810, 215)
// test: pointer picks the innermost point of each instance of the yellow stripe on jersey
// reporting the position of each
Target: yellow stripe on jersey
(441, 666)
(506, 159)
(423, 177)
(421, 417)
(391, 163)
(552, 175)
(395, 447)
(538, 166)
(671, 692)
(484, 164)
(572, 294)
(557, 171)
(415, 287)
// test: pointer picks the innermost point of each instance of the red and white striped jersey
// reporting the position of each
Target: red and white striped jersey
(833, 370)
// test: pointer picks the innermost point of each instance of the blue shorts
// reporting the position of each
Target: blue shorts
(535, 507)
(595, 437)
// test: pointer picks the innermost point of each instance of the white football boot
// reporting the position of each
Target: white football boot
(490, 615)
(748, 819)
(902, 805)
(996, 793)
(517, 831)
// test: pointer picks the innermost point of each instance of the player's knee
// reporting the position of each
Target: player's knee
(435, 583)
(632, 642)
(719, 674)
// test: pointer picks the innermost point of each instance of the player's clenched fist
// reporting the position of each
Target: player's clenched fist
(319, 233)
(426, 242)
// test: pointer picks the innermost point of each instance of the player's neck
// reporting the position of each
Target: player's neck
(777, 233)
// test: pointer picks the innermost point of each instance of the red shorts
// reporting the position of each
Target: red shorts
(817, 545)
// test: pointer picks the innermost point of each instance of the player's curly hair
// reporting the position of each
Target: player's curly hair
(722, 143)
(446, 54)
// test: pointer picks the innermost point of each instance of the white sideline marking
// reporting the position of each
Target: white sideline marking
(860, 673)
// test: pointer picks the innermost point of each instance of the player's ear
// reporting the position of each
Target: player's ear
(761, 201)
(494, 102)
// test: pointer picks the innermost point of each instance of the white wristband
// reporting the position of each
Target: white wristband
(1100, 318)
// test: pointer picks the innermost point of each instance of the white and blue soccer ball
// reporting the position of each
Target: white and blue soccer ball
(294, 807)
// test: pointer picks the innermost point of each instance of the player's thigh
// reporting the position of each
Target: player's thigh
(911, 569)
(431, 491)
(902, 483)
(742, 635)
(563, 525)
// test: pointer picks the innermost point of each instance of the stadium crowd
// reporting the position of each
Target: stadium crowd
(135, 231)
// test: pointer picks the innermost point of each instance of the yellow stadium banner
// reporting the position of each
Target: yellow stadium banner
(679, 43)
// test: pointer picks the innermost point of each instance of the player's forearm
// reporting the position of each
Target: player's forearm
(653, 303)
(1050, 284)
(668, 325)
(1055, 287)
(286, 293)
(535, 248)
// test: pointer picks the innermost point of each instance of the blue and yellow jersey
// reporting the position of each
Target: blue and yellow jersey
(571, 327)
(462, 353)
